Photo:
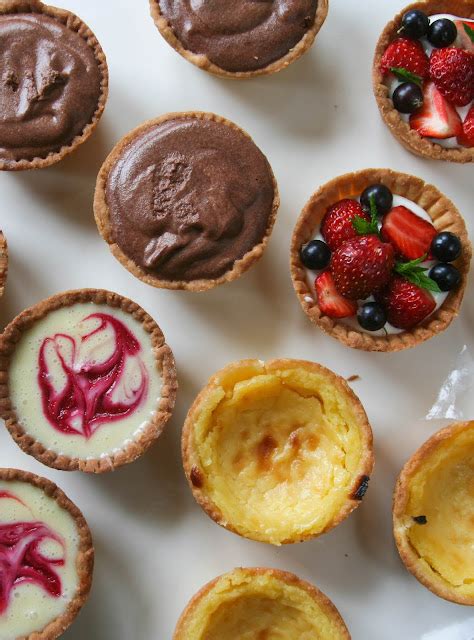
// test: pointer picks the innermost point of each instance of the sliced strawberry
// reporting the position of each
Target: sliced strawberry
(466, 138)
(463, 38)
(407, 54)
(452, 71)
(330, 300)
(406, 304)
(410, 235)
(436, 118)
(337, 226)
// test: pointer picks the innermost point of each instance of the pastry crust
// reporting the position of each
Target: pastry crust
(444, 216)
(242, 576)
(401, 130)
(3, 263)
(196, 475)
(421, 569)
(203, 62)
(164, 361)
(73, 22)
(85, 554)
(102, 214)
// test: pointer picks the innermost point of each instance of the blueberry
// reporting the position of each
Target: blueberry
(446, 276)
(446, 246)
(372, 316)
(382, 196)
(407, 97)
(442, 33)
(315, 255)
(415, 24)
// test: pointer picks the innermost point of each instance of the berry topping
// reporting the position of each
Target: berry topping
(437, 118)
(466, 138)
(452, 71)
(446, 276)
(382, 198)
(407, 97)
(415, 24)
(372, 316)
(442, 33)
(362, 266)
(337, 225)
(315, 255)
(465, 34)
(405, 303)
(405, 54)
(446, 246)
(410, 235)
(330, 300)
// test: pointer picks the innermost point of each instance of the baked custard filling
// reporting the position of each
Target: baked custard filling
(279, 448)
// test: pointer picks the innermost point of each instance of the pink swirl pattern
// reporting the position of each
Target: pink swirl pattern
(80, 392)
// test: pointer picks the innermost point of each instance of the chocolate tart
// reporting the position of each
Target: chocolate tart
(3, 263)
(50, 56)
(432, 514)
(86, 380)
(47, 558)
(400, 129)
(259, 434)
(186, 201)
(240, 39)
(445, 217)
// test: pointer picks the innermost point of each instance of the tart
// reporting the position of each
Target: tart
(3, 262)
(87, 381)
(53, 84)
(186, 201)
(240, 39)
(433, 513)
(379, 260)
(278, 452)
(260, 604)
(423, 78)
(46, 555)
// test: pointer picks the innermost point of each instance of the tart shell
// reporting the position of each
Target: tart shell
(400, 129)
(3, 263)
(203, 62)
(165, 363)
(444, 216)
(102, 214)
(74, 23)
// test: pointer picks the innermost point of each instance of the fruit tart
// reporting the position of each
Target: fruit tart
(423, 78)
(379, 260)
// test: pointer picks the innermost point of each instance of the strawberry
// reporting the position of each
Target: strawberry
(361, 266)
(337, 226)
(436, 118)
(406, 303)
(406, 54)
(465, 40)
(466, 138)
(452, 71)
(410, 235)
(330, 300)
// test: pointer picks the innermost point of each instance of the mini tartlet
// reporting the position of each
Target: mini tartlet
(47, 558)
(409, 189)
(422, 144)
(432, 513)
(260, 603)
(186, 201)
(87, 380)
(278, 451)
(3, 262)
(240, 39)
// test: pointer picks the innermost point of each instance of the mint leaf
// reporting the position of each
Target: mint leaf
(416, 274)
(363, 226)
(468, 30)
(405, 75)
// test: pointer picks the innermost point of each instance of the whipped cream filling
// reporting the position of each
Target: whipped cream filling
(84, 380)
(29, 605)
(352, 321)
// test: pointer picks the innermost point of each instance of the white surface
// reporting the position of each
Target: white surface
(318, 119)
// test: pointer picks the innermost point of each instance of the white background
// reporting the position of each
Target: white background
(318, 119)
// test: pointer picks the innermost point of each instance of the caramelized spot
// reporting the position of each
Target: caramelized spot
(313, 442)
(294, 440)
(265, 450)
(362, 490)
(196, 477)
(263, 634)
(420, 519)
(238, 462)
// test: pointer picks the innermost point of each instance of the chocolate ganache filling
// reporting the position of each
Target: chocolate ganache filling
(50, 85)
(240, 35)
(188, 197)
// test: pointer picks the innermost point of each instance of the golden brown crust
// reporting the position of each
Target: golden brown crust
(165, 365)
(196, 476)
(3, 262)
(102, 215)
(445, 217)
(204, 63)
(401, 130)
(291, 579)
(409, 556)
(73, 22)
(85, 555)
